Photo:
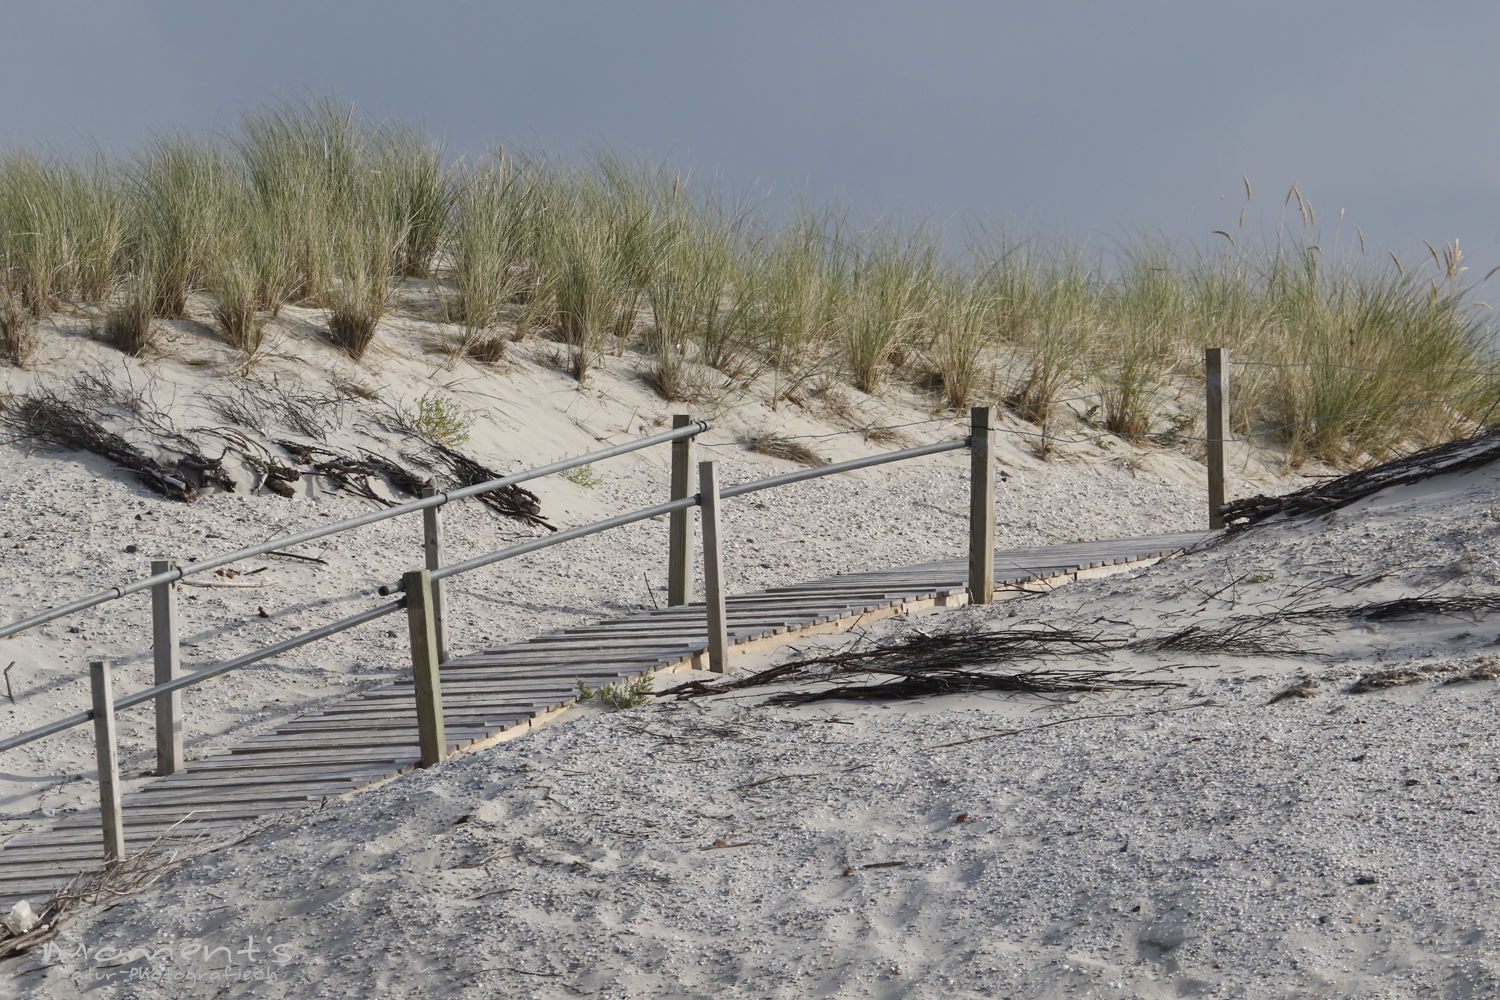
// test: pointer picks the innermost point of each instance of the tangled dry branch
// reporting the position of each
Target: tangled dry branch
(58, 422)
(1455, 456)
(939, 664)
(129, 875)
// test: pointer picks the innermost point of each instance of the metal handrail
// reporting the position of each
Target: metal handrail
(422, 598)
(695, 500)
(454, 569)
(436, 500)
(198, 676)
(175, 574)
(854, 463)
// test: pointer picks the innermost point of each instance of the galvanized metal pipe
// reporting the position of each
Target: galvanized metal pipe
(551, 540)
(255, 656)
(666, 508)
(264, 653)
(470, 564)
(213, 562)
(849, 466)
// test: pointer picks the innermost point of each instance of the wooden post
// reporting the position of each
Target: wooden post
(713, 567)
(432, 548)
(1216, 369)
(166, 651)
(680, 526)
(424, 667)
(982, 505)
(107, 753)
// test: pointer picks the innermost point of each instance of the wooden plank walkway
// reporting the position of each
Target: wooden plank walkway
(499, 693)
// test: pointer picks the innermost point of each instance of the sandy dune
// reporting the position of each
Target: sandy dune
(1306, 814)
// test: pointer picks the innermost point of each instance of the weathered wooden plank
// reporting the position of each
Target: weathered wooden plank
(389, 728)
(263, 792)
(237, 762)
(370, 736)
(644, 642)
(543, 659)
(464, 719)
(350, 741)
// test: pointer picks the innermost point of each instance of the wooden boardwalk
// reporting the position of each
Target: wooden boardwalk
(496, 694)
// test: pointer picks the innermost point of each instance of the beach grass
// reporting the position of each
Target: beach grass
(311, 203)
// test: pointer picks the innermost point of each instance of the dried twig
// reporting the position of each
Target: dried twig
(1472, 452)
(939, 664)
(791, 451)
(60, 422)
(128, 875)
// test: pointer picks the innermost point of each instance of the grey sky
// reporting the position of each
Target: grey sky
(1098, 120)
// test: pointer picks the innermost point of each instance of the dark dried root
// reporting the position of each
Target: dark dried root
(940, 664)
(53, 420)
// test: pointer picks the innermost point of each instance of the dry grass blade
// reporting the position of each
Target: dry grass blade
(1291, 631)
(18, 337)
(1304, 687)
(792, 451)
(1241, 635)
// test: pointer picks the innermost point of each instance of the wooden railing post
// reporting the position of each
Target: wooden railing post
(1216, 371)
(432, 549)
(982, 505)
(431, 738)
(680, 525)
(713, 567)
(107, 752)
(166, 651)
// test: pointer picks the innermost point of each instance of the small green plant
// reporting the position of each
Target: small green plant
(1262, 577)
(441, 420)
(620, 694)
(584, 475)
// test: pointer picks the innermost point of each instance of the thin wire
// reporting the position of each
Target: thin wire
(1117, 388)
(956, 419)
(818, 437)
(1158, 378)
(1359, 368)
(1237, 440)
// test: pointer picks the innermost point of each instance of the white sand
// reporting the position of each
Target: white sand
(1204, 842)
(67, 519)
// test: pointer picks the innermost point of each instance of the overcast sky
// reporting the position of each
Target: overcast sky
(1097, 120)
